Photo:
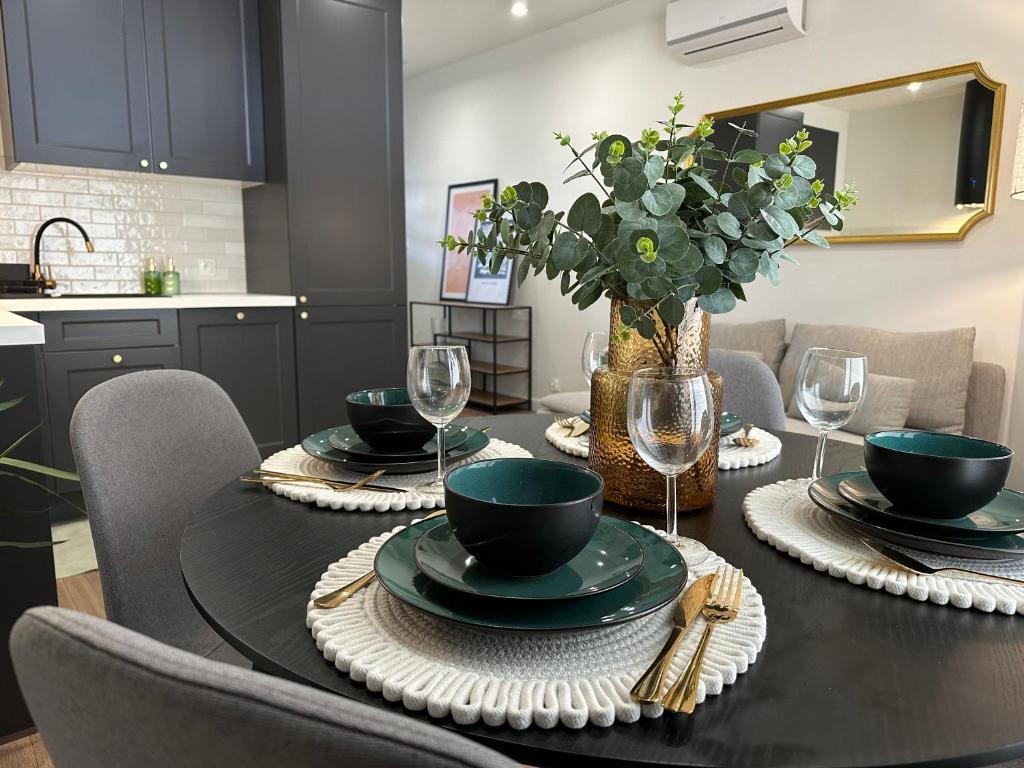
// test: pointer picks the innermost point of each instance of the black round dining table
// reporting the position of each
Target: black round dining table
(848, 676)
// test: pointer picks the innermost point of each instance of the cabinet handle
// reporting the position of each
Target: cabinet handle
(144, 163)
(117, 359)
(303, 299)
(304, 315)
(163, 165)
(239, 315)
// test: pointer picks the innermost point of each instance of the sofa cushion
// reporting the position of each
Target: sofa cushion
(566, 402)
(767, 337)
(939, 362)
(886, 405)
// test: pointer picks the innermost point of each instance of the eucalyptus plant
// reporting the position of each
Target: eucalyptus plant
(664, 226)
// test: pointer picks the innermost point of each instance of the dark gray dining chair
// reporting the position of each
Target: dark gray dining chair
(102, 695)
(750, 389)
(150, 447)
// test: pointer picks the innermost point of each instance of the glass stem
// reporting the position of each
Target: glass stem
(440, 455)
(670, 508)
(819, 456)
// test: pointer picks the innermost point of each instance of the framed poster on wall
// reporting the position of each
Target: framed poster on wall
(463, 201)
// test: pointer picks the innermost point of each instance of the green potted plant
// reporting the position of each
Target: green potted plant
(671, 229)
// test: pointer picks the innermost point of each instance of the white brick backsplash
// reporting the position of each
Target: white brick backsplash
(130, 217)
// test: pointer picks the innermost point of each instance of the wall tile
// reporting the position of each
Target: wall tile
(130, 217)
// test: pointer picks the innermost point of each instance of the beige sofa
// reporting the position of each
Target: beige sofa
(933, 373)
(925, 380)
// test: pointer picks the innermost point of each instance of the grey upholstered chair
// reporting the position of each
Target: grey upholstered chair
(102, 695)
(150, 447)
(750, 389)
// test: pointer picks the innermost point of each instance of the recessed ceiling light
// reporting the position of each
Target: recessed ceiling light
(914, 87)
(519, 8)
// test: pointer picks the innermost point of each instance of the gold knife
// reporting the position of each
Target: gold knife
(648, 688)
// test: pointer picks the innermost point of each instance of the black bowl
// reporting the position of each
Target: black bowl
(931, 474)
(386, 420)
(523, 517)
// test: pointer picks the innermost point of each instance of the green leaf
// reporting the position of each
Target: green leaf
(646, 328)
(743, 130)
(786, 255)
(712, 154)
(690, 262)
(704, 184)
(6, 404)
(568, 251)
(781, 222)
(657, 287)
(747, 156)
(739, 176)
(629, 180)
(566, 280)
(761, 230)
(815, 238)
(738, 206)
(540, 193)
(522, 272)
(729, 225)
(709, 279)
(10, 448)
(629, 211)
(585, 297)
(627, 314)
(737, 291)
(721, 301)
(768, 267)
(681, 149)
(755, 175)
(685, 293)
(715, 249)
(673, 241)
(601, 153)
(577, 175)
(797, 194)
(776, 166)
(805, 166)
(744, 261)
(39, 469)
(654, 169)
(672, 310)
(664, 198)
(585, 214)
(759, 196)
(525, 192)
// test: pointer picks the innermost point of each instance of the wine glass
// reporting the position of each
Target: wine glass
(671, 420)
(830, 388)
(595, 353)
(438, 380)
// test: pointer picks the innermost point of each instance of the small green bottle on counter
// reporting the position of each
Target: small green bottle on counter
(151, 279)
(170, 283)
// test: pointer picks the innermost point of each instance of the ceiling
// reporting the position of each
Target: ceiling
(438, 32)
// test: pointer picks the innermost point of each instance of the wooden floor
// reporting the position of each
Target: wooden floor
(81, 593)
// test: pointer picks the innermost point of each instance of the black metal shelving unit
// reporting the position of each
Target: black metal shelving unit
(491, 371)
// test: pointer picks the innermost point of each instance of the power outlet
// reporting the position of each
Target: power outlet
(207, 267)
(555, 385)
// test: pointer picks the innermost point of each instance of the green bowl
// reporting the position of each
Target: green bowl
(933, 474)
(386, 420)
(523, 517)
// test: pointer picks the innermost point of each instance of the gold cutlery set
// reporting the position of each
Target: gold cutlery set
(716, 597)
(573, 425)
(269, 476)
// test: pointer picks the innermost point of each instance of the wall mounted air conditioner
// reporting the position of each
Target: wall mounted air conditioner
(702, 30)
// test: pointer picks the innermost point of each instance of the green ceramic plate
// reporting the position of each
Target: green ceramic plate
(730, 423)
(1003, 515)
(825, 493)
(658, 583)
(345, 439)
(319, 447)
(611, 557)
(585, 415)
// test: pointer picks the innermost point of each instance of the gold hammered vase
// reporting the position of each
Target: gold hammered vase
(627, 479)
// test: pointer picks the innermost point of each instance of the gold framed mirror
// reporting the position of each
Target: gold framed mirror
(923, 149)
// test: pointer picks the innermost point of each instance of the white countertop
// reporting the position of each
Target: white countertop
(16, 330)
(185, 301)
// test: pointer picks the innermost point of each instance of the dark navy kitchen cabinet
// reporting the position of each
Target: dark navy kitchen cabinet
(147, 85)
(205, 104)
(250, 352)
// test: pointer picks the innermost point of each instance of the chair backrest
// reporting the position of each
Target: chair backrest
(150, 447)
(102, 695)
(750, 389)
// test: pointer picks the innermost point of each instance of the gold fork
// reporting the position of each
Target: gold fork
(269, 475)
(339, 596)
(721, 607)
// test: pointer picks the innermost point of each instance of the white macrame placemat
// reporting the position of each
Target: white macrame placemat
(297, 461)
(518, 678)
(732, 456)
(783, 515)
(574, 446)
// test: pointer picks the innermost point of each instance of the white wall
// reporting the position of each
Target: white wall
(493, 115)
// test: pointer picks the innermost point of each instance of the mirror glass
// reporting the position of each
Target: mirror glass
(921, 149)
